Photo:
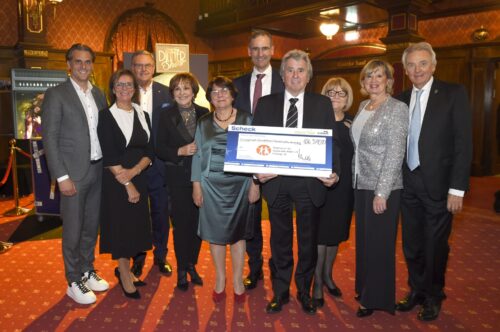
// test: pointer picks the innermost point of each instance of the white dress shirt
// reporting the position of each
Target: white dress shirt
(147, 100)
(300, 108)
(266, 83)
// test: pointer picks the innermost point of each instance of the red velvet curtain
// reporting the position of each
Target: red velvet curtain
(142, 31)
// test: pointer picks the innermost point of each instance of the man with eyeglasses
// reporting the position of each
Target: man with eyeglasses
(155, 98)
(69, 131)
(262, 81)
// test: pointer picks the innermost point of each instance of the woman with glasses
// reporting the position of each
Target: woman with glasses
(124, 133)
(336, 213)
(224, 199)
(175, 145)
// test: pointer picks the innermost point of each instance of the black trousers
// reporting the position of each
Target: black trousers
(376, 250)
(254, 245)
(159, 208)
(426, 229)
(293, 192)
(185, 223)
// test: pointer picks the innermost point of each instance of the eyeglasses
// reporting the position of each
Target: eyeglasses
(124, 85)
(143, 66)
(223, 91)
(332, 93)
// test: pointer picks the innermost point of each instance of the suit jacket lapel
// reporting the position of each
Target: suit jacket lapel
(280, 104)
(73, 98)
(178, 122)
(431, 107)
(307, 119)
(246, 91)
(276, 83)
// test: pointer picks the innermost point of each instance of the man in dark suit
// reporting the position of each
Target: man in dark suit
(435, 177)
(262, 81)
(70, 116)
(155, 98)
(299, 109)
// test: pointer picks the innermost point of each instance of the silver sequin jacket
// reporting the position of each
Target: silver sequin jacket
(381, 149)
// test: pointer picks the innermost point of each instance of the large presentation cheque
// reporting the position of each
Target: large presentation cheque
(276, 150)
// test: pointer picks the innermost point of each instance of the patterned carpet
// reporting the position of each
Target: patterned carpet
(32, 295)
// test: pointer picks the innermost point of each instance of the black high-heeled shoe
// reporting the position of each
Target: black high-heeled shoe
(138, 283)
(182, 282)
(134, 295)
(364, 312)
(335, 291)
(193, 274)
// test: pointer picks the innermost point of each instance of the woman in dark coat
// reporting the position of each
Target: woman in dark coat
(175, 145)
(336, 214)
(125, 138)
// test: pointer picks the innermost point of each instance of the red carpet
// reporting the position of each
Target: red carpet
(32, 295)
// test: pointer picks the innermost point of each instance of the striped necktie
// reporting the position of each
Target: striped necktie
(292, 115)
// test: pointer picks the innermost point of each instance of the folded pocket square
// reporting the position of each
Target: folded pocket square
(165, 105)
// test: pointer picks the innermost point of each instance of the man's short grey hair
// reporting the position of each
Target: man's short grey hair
(422, 46)
(296, 55)
(143, 52)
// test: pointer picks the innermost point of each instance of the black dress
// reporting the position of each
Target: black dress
(125, 226)
(336, 213)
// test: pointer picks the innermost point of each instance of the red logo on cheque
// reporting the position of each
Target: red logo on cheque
(263, 150)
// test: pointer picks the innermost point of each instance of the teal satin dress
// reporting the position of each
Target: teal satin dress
(226, 214)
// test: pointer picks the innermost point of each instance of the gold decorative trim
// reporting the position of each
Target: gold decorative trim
(36, 53)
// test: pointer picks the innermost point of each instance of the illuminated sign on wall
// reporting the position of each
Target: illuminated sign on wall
(172, 58)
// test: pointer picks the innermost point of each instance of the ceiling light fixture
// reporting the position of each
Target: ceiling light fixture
(351, 35)
(329, 29)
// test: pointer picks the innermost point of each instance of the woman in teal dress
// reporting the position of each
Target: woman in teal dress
(225, 199)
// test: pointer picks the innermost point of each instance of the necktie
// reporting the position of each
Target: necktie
(415, 125)
(292, 115)
(257, 92)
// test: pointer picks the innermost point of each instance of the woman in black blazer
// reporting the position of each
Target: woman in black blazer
(175, 145)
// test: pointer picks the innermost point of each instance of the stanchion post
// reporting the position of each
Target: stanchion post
(17, 210)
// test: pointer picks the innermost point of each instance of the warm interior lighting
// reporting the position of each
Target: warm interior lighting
(329, 29)
(351, 35)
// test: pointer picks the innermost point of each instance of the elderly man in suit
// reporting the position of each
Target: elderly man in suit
(435, 177)
(70, 115)
(262, 81)
(298, 109)
(155, 99)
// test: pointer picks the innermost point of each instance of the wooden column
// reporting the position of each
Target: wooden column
(402, 31)
(32, 47)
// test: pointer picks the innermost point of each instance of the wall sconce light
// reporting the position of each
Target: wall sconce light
(329, 29)
(480, 34)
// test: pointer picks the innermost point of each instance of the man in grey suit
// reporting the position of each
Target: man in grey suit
(262, 81)
(70, 115)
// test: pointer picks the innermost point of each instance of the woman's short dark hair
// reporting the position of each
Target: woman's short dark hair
(184, 77)
(115, 77)
(223, 82)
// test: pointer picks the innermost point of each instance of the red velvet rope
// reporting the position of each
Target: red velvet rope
(7, 172)
(27, 155)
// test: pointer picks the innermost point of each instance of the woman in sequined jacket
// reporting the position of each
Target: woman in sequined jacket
(379, 133)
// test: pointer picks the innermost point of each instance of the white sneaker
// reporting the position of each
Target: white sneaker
(79, 292)
(94, 282)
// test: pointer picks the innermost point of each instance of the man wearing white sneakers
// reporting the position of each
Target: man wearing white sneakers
(74, 159)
